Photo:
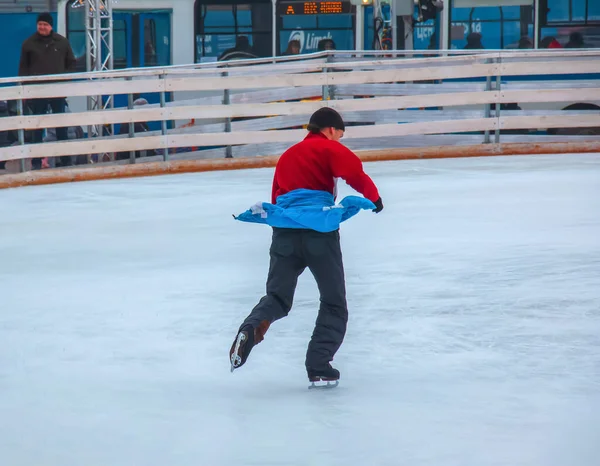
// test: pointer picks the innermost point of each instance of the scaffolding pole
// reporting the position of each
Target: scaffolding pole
(99, 50)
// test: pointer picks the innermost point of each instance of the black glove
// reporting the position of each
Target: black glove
(378, 206)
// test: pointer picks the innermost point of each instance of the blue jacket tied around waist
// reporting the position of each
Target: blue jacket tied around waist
(306, 208)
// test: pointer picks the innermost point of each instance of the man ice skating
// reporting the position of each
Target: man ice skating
(305, 225)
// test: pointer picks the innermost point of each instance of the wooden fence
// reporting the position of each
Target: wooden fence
(257, 108)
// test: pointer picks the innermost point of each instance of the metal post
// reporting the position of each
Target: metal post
(536, 25)
(227, 101)
(274, 29)
(89, 60)
(328, 93)
(497, 115)
(108, 41)
(21, 132)
(360, 36)
(131, 124)
(325, 90)
(445, 39)
(487, 111)
(163, 123)
(394, 19)
(97, 31)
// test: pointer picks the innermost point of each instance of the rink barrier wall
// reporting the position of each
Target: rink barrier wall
(244, 107)
(36, 178)
(53, 149)
(299, 108)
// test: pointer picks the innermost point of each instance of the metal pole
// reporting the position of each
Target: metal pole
(99, 50)
(89, 57)
(109, 32)
(394, 25)
(325, 87)
(98, 34)
(498, 89)
(445, 39)
(21, 132)
(274, 29)
(536, 24)
(487, 111)
(98, 62)
(328, 89)
(109, 41)
(360, 20)
(163, 123)
(131, 124)
(227, 101)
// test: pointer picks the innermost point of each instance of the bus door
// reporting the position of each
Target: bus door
(141, 39)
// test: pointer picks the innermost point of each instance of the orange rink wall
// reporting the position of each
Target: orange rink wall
(68, 175)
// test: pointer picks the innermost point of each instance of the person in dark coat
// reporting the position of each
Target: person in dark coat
(575, 41)
(308, 170)
(241, 51)
(525, 43)
(474, 42)
(326, 44)
(138, 127)
(293, 48)
(47, 53)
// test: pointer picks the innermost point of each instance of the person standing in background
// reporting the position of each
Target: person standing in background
(47, 53)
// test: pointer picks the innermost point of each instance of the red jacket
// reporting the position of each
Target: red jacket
(314, 163)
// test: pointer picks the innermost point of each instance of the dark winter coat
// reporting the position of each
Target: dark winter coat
(42, 55)
(237, 54)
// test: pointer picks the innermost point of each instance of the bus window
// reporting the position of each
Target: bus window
(150, 58)
(156, 38)
(424, 36)
(494, 27)
(76, 32)
(119, 44)
(585, 12)
(219, 24)
(558, 11)
(570, 23)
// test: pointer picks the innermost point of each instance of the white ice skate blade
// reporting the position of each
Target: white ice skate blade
(323, 385)
(236, 360)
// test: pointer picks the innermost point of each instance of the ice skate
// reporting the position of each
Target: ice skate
(245, 340)
(323, 378)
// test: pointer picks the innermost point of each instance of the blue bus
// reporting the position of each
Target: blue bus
(167, 32)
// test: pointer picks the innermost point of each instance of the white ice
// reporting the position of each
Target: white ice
(474, 333)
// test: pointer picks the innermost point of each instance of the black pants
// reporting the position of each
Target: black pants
(292, 250)
(40, 107)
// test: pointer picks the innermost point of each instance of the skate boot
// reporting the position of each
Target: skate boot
(245, 340)
(326, 377)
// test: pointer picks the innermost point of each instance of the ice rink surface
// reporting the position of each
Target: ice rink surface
(474, 333)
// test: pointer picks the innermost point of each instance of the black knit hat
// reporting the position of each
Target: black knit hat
(46, 18)
(325, 118)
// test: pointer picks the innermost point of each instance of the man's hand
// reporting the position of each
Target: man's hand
(378, 206)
